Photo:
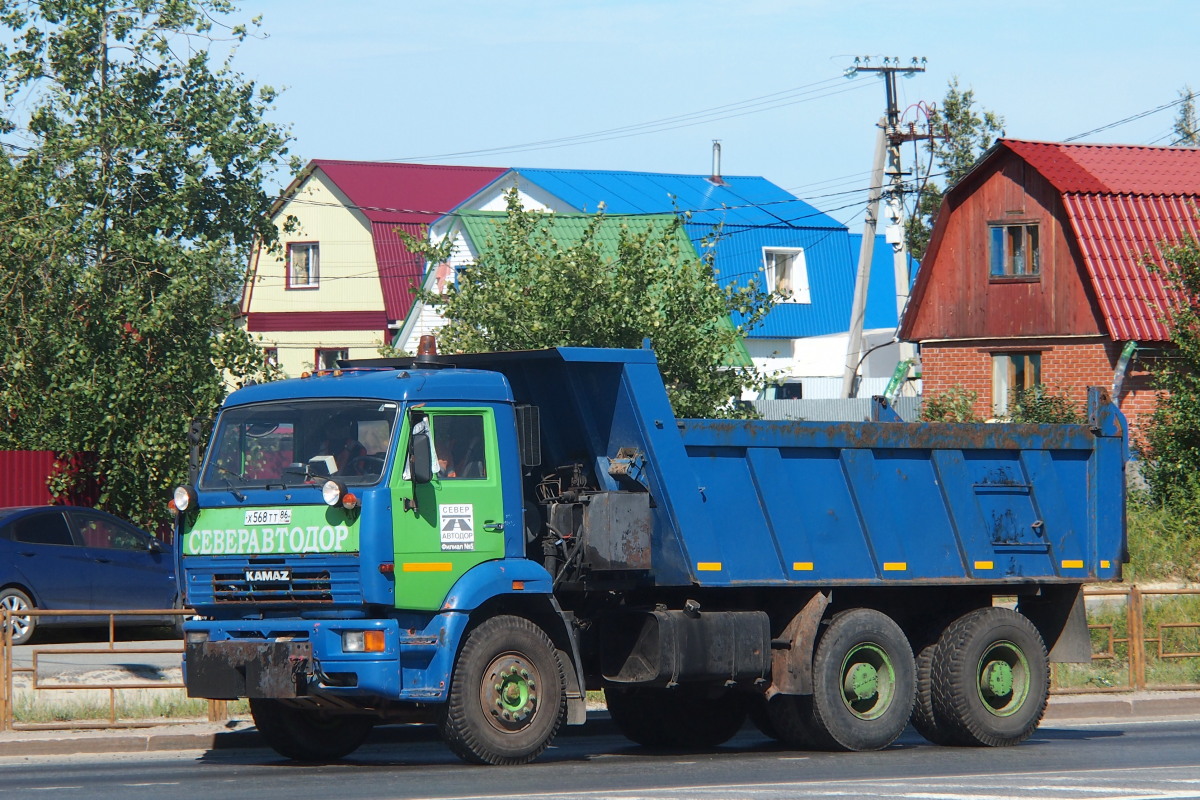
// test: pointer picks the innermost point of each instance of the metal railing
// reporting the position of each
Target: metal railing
(35, 681)
(1141, 639)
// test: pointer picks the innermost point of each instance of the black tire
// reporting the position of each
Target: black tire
(864, 683)
(508, 694)
(682, 717)
(924, 718)
(304, 734)
(991, 678)
(759, 713)
(790, 716)
(15, 602)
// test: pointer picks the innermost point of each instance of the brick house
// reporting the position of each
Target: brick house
(1036, 274)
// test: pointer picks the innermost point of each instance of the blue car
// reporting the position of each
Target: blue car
(59, 558)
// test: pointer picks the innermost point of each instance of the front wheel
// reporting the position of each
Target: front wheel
(991, 678)
(20, 621)
(307, 734)
(508, 695)
(863, 683)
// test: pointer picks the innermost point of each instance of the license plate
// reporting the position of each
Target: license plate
(277, 575)
(268, 516)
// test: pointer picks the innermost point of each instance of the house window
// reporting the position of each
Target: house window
(1013, 373)
(1013, 250)
(786, 273)
(328, 358)
(303, 265)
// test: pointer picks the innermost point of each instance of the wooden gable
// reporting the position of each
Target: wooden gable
(957, 298)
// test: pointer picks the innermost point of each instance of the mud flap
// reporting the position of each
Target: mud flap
(229, 670)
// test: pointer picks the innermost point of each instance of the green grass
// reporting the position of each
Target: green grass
(87, 705)
(1164, 544)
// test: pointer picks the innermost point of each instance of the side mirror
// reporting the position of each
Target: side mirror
(155, 546)
(421, 455)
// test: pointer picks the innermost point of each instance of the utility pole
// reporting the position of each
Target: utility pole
(887, 147)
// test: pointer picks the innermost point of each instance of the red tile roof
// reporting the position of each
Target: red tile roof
(1122, 202)
(411, 195)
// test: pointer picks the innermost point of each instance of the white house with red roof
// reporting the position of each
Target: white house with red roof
(1036, 272)
(341, 282)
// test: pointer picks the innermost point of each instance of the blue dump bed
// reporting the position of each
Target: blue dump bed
(884, 503)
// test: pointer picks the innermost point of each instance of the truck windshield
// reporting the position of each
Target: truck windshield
(293, 443)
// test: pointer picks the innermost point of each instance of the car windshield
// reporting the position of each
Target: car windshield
(296, 442)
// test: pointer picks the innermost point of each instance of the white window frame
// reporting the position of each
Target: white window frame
(313, 249)
(1003, 372)
(331, 355)
(796, 272)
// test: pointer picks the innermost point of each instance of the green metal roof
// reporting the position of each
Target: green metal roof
(481, 227)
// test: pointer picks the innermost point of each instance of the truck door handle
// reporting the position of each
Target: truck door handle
(103, 560)
(493, 526)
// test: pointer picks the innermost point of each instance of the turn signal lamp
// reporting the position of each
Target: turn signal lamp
(363, 641)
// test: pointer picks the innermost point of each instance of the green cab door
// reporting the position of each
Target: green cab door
(459, 515)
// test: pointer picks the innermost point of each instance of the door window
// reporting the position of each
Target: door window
(43, 529)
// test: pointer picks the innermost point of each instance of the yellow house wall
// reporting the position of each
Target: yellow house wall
(347, 272)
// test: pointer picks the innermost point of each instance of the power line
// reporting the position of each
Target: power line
(1133, 118)
(755, 105)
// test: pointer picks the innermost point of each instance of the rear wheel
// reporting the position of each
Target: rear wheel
(991, 678)
(863, 683)
(304, 734)
(508, 695)
(20, 621)
(925, 718)
(681, 717)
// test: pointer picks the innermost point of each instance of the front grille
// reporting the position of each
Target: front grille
(304, 587)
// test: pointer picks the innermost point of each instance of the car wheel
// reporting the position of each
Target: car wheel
(17, 605)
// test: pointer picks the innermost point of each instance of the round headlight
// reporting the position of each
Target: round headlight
(185, 497)
(332, 491)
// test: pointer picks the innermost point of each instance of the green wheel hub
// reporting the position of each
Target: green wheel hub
(1004, 678)
(868, 681)
(509, 692)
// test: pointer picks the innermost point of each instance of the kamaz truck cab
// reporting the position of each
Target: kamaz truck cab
(341, 532)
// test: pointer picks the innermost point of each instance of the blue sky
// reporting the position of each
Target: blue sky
(401, 80)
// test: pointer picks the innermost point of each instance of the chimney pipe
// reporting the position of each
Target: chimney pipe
(716, 167)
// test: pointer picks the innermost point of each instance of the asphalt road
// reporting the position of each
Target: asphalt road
(1100, 761)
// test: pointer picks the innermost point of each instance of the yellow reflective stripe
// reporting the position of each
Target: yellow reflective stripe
(1105, 564)
(895, 566)
(1072, 564)
(984, 565)
(428, 566)
(803, 566)
(708, 566)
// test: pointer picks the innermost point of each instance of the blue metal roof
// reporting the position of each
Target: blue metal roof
(753, 214)
(742, 200)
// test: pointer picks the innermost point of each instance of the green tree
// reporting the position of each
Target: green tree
(538, 284)
(1171, 447)
(1187, 126)
(1041, 405)
(960, 135)
(131, 190)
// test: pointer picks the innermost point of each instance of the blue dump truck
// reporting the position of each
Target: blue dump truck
(476, 541)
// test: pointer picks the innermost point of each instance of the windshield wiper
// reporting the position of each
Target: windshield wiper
(241, 498)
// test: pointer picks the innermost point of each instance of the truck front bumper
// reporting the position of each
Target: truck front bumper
(226, 660)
